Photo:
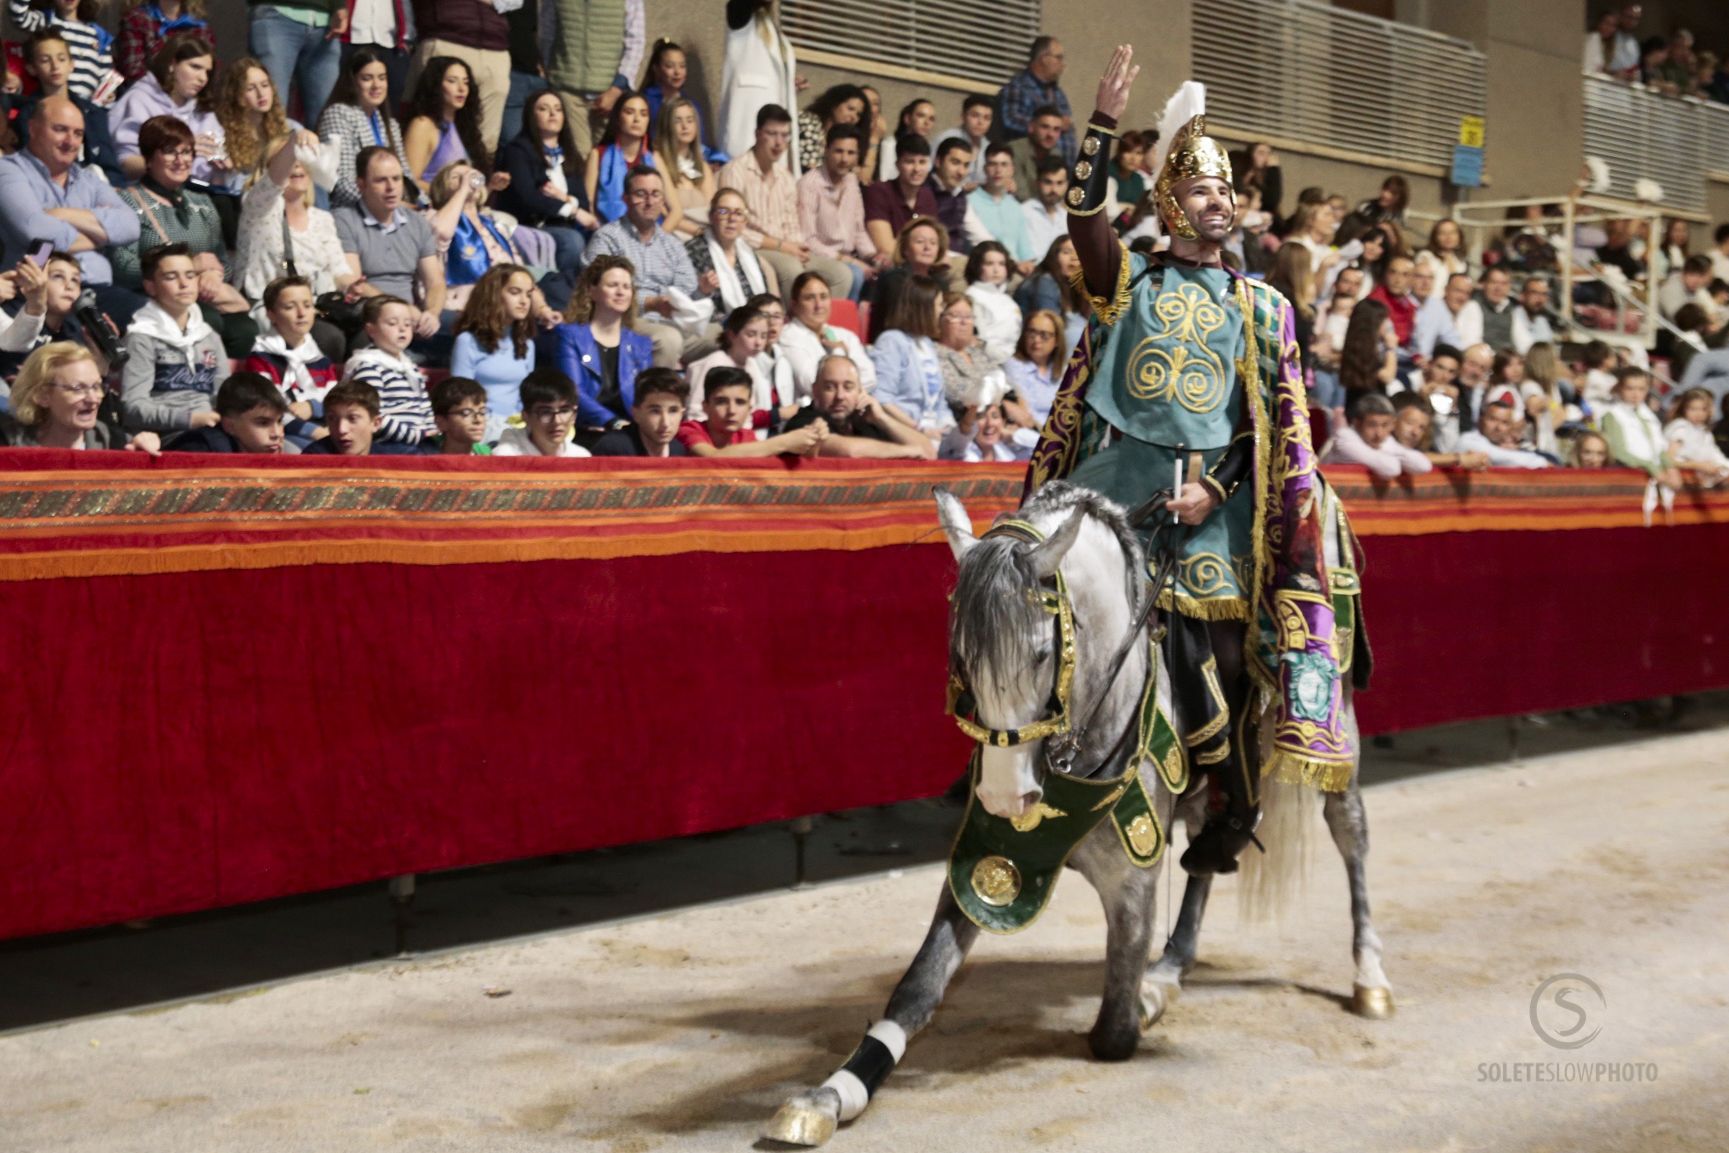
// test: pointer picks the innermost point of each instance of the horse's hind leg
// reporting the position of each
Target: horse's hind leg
(1372, 995)
(810, 1117)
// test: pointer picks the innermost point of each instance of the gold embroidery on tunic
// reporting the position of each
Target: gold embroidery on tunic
(1176, 363)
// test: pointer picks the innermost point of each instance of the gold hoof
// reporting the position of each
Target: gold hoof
(1374, 1004)
(800, 1123)
(1156, 1000)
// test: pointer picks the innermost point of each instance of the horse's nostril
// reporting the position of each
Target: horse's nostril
(1028, 800)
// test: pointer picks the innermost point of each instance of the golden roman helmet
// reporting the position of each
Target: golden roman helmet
(1186, 151)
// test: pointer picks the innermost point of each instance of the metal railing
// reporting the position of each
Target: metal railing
(1677, 141)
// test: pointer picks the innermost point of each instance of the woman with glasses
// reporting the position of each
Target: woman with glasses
(972, 374)
(808, 336)
(596, 347)
(727, 268)
(57, 403)
(1035, 370)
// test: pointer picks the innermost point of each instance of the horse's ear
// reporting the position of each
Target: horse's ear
(957, 525)
(1049, 553)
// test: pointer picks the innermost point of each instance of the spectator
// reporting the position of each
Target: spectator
(1389, 204)
(1654, 66)
(299, 44)
(1035, 372)
(1497, 438)
(1598, 360)
(351, 416)
(1463, 316)
(459, 411)
(147, 24)
(249, 411)
(1446, 251)
(858, 426)
(175, 360)
(1394, 293)
(1000, 213)
(772, 360)
(282, 231)
(662, 264)
(1689, 439)
(1044, 139)
(624, 147)
(91, 46)
(444, 120)
(56, 402)
(1687, 285)
(596, 348)
(1590, 450)
(996, 317)
(1541, 392)
(663, 83)
(726, 429)
(286, 355)
(841, 105)
(1294, 279)
(358, 115)
(726, 264)
(809, 337)
(1314, 227)
(983, 435)
(48, 58)
(1720, 253)
(1368, 440)
(1369, 360)
(876, 129)
(50, 294)
(1616, 251)
(1635, 437)
(1672, 253)
(918, 118)
(383, 30)
(1255, 167)
(548, 401)
(655, 415)
(761, 68)
(908, 366)
(1436, 380)
(1695, 330)
(1413, 415)
(1495, 301)
(972, 376)
(1332, 322)
(546, 189)
(575, 40)
(1046, 215)
(918, 251)
(1128, 182)
(1601, 43)
(948, 182)
(495, 338)
(177, 85)
(1533, 323)
(478, 35)
(472, 239)
(771, 200)
(1052, 287)
(171, 213)
(253, 121)
(678, 155)
(977, 114)
(403, 409)
(390, 251)
(831, 210)
(1033, 88)
(891, 205)
(742, 340)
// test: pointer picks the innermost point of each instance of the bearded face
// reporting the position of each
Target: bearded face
(1208, 206)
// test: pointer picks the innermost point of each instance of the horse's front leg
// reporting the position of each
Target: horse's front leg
(1165, 979)
(1128, 894)
(810, 1117)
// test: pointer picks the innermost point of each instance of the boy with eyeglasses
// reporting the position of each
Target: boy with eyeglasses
(459, 410)
(549, 410)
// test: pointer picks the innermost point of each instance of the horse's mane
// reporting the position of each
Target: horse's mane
(991, 608)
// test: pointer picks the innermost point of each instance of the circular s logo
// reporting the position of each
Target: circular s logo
(1567, 1011)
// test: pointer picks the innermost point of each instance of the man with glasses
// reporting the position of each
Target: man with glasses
(770, 195)
(1032, 88)
(661, 263)
(549, 415)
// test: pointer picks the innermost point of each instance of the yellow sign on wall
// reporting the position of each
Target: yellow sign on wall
(1471, 131)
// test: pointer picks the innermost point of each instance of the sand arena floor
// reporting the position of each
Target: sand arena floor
(685, 1030)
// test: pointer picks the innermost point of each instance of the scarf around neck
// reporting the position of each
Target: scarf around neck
(297, 381)
(154, 322)
(732, 292)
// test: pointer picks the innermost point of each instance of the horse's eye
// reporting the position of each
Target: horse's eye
(1041, 656)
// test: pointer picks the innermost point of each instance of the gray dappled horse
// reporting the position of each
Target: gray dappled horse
(1001, 640)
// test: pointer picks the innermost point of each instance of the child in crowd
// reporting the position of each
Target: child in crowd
(386, 369)
(89, 45)
(1631, 428)
(251, 409)
(549, 403)
(983, 435)
(742, 338)
(50, 295)
(48, 57)
(286, 353)
(1690, 442)
(656, 413)
(1590, 450)
(495, 340)
(727, 430)
(459, 410)
(175, 360)
(1598, 360)
(352, 417)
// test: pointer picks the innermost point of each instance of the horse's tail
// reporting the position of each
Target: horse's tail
(1274, 881)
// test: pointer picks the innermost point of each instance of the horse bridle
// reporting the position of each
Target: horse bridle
(1056, 725)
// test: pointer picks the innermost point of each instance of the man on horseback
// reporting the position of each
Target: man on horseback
(1188, 380)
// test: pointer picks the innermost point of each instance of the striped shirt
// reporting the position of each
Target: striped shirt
(91, 46)
(404, 404)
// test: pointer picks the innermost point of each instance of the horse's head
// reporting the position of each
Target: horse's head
(1011, 647)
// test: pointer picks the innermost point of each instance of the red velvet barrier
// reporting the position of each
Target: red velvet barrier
(186, 740)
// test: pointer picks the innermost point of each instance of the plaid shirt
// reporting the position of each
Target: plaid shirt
(1020, 96)
(660, 264)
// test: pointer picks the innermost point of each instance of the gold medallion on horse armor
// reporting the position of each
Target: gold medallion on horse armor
(996, 881)
(1143, 835)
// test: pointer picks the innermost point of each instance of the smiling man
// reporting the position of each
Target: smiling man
(1247, 602)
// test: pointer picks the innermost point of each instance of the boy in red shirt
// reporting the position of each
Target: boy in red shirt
(727, 431)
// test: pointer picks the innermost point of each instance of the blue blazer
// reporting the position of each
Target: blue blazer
(578, 357)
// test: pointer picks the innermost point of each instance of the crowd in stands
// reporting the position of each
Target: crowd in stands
(508, 232)
(1674, 65)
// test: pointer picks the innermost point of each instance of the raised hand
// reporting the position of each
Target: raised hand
(1115, 84)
